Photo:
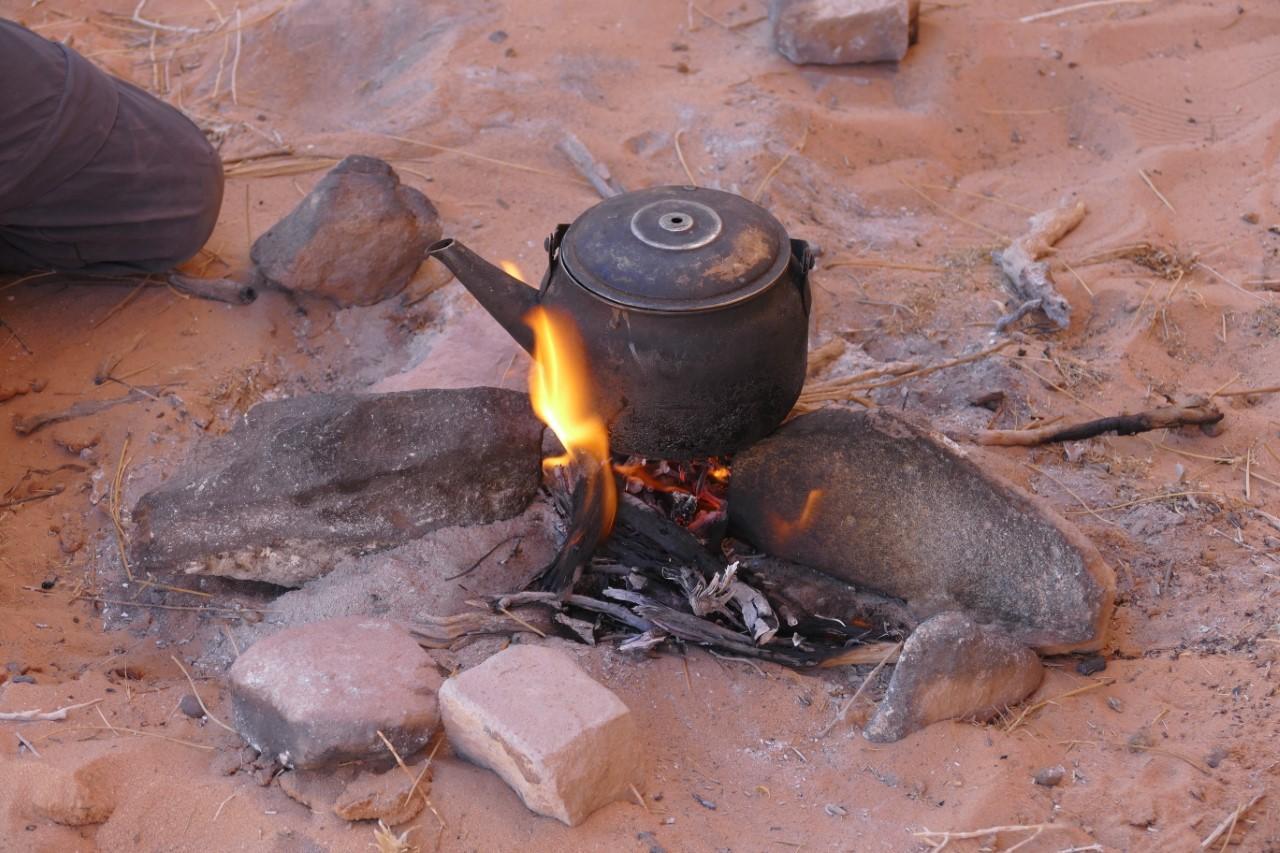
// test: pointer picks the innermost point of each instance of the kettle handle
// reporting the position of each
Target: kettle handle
(552, 245)
(803, 260)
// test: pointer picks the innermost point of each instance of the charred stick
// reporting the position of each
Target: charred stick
(1027, 276)
(1165, 417)
(596, 173)
(592, 511)
(29, 424)
(218, 289)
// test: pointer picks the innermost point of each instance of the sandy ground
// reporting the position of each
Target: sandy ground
(1163, 117)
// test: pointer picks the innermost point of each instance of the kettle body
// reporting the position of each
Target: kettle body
(693, 307)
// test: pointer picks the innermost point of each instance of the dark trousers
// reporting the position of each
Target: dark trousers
(88, 191)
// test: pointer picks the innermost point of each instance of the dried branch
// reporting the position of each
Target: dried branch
(596, 173)
(1166, 417)
(43, 716)
(1027, 276)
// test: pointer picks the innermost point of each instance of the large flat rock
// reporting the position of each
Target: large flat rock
(881, 503)
(279, 497)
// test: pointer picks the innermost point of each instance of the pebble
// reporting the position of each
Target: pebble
(190, 706)
(1051, 777)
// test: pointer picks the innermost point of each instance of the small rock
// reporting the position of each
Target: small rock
(357, 238)
(564, 742)
(318, 790)
(952, 668)
(704, 802)
(273, 500)
(1091, 664)
(1051, 777)
(78, 797)
(1114, 703)
(317, 695)
(190, 705)
(1251, 217)
(1216, 756)
(843, 32)
(384, 797)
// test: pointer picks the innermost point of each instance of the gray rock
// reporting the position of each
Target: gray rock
(951, 668)
(1050, 777)
(357, 238)
(843, 32)
(271, 500)
(880, 503)
(317, 696)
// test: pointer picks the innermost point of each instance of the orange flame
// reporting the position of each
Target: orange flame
(561, 396)
(510, 268)
(785, 529)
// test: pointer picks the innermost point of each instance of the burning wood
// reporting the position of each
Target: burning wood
(560, 394)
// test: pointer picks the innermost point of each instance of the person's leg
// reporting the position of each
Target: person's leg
(97, 175)
(146, 202)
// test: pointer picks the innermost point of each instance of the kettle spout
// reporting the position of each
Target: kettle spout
(506, 298)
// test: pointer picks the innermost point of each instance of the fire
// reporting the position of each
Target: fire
(510, 268)
(561, 396)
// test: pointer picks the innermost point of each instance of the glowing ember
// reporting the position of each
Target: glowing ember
(561, 397)
(690, 493)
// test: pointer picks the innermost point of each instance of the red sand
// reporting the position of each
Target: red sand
(929, 164)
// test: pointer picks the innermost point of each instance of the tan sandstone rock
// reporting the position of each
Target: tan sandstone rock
(842, 32)
(318, 695)
(564, 742)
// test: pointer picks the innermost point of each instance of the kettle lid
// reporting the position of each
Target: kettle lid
(675, 249)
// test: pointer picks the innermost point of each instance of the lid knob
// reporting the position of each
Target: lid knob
(676, 224)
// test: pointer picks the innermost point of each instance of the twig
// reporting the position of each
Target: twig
(1027, 276)
(196, 693)
(1066, 10)
(16, 337)
(37, 496)
(596, 173)
(1247, 392)
(683, 162)
(1166, 417)
(1044, 703)
(223, 804)
(235, 62)
(873, 263)
(844, 709)
(480, 157)
(31, 747)
(200, 608)
(1228, 824)
(938, 840)
(934, 368)
(156, 25)
(1147, 180)
(1141, 747)
(121, 304)
(44, 716)
(795, 149)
